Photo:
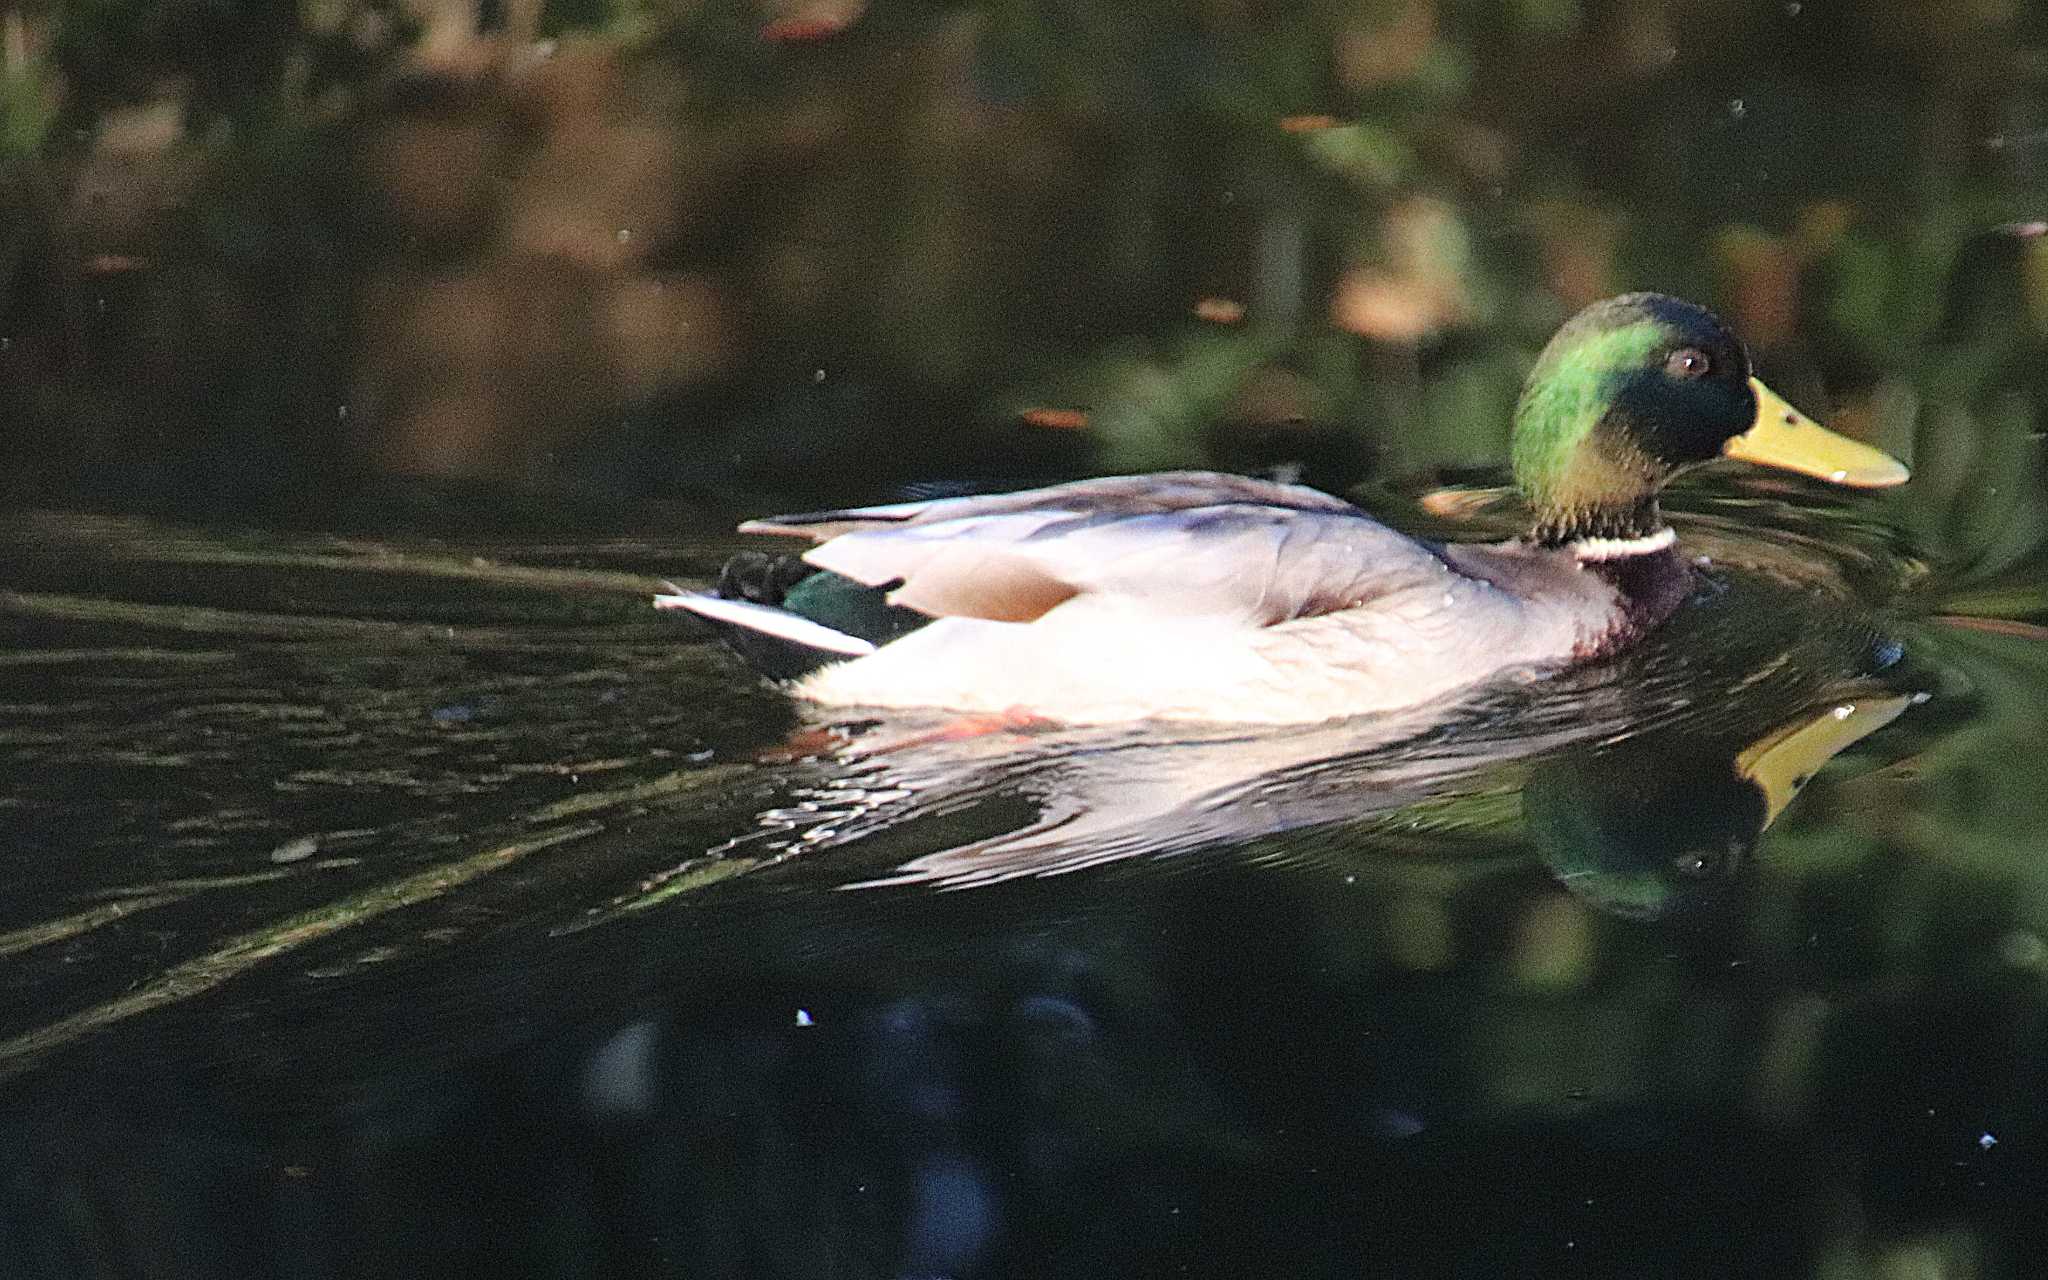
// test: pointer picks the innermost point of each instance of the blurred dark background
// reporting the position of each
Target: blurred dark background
(258, 259)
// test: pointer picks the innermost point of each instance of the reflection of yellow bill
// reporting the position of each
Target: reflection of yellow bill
(1781, 763)
(1783, 437)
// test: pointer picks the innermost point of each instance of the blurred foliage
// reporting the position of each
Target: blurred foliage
(258, 254)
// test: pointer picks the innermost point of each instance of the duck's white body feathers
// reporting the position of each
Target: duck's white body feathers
(1190, 596)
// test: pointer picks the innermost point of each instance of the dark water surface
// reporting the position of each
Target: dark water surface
(430, 907)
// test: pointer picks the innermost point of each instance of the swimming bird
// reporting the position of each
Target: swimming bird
(1199, 596)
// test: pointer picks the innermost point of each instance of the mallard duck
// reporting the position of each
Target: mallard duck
(1201, 596)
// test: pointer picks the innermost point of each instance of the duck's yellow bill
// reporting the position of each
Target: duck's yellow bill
(1785, 438)
(1781, 763)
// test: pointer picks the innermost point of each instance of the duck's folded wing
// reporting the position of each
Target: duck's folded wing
(1182, 544)
(1130, 495)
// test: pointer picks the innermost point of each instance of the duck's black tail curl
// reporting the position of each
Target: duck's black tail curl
(786, 618)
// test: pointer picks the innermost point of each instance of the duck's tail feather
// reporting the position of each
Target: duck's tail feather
(822, 526)
(780, 644)
(767, 620)
(788, 618)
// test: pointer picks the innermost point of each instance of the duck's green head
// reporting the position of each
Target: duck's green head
(1635, 389)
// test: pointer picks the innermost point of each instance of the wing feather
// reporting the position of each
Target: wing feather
(1188, 544)
(1125, 495)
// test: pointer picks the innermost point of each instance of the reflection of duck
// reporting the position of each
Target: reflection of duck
(1665, 821)
(1196, 596)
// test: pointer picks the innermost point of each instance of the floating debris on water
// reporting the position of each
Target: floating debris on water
(297, 849)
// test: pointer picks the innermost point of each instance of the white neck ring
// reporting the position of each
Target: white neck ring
(1622, 548)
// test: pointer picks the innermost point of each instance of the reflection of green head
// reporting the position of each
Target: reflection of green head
(1639, 842)
(1651, 825)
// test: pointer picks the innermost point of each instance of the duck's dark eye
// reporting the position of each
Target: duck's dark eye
(1688, 362)
(1694, 864)
(1707, 862)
